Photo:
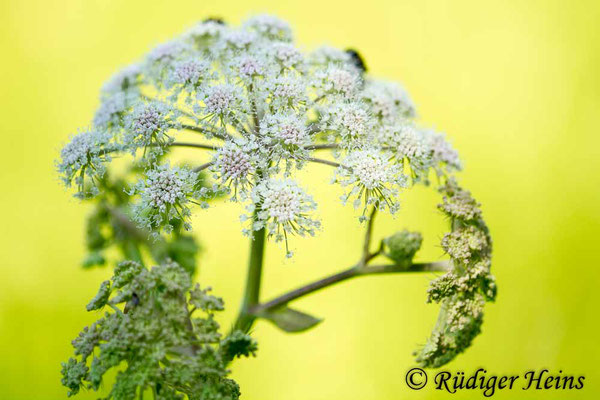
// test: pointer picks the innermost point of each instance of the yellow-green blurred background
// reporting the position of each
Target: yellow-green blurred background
(516, 85)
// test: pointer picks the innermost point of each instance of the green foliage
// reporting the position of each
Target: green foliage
(157, 342)
(238, 344)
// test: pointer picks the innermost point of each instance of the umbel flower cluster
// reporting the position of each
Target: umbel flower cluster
(266, 109)
(259, 110)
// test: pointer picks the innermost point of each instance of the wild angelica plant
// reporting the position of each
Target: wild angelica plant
(262, 110)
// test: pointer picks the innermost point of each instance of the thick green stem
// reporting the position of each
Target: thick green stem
(251, 294)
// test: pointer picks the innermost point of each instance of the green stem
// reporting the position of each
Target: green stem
(353, 272)
(245, 318)
(251, 294)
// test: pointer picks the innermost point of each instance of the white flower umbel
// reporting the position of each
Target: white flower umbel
(283, 208)
(263, 108)
(123, 80)
(249, 67)
(388, 101)
(287, 55)
(283, 136)
(165, 195)
(204, 34)
(113, 108)
(234, 167)
(147, 126)
(444, 155)
(83, 159)
(287, 91)
(189, 74)
(270, 27)
(223, 102)
(410, 144)
(343, 81)
(350, 122)
(325, 55)
(373, 178)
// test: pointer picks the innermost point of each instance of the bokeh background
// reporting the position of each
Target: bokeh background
(516, 85)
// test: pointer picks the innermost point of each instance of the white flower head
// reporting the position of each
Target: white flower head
(325, 55)
(223, 100)
(147, 127)
(125, 79)
(168, 52)
(409, 143)
(389, 101)
(234, 166)
(189, 73)
(239, 39)
(165, 195)
(286, 129)
(269, 27)
(160, 61)
(283, 136)
(287, 55)
(286, 91)
(338, 80)
(83, 159)
(205, 31)
(442, 152)
(283, 208)
(113, 108)
(373, 177)
(351, 122)
(249, 66)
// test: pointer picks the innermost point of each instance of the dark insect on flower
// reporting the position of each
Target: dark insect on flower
(357, 59)
(216, 20)
(132, 303)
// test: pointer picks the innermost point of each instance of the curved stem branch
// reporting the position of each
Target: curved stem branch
(195, 145)
(203, 166)
(322, 146)
(321, 161)
(204, 131)
(352, 272)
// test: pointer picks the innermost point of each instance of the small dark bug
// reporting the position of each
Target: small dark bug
(216, 20)
(132, 303)
(357, 59)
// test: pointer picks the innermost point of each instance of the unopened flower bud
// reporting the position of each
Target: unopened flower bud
(402, 246)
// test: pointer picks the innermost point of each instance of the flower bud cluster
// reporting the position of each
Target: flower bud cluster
(402, 246)
(464, 290)
(165, 337)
